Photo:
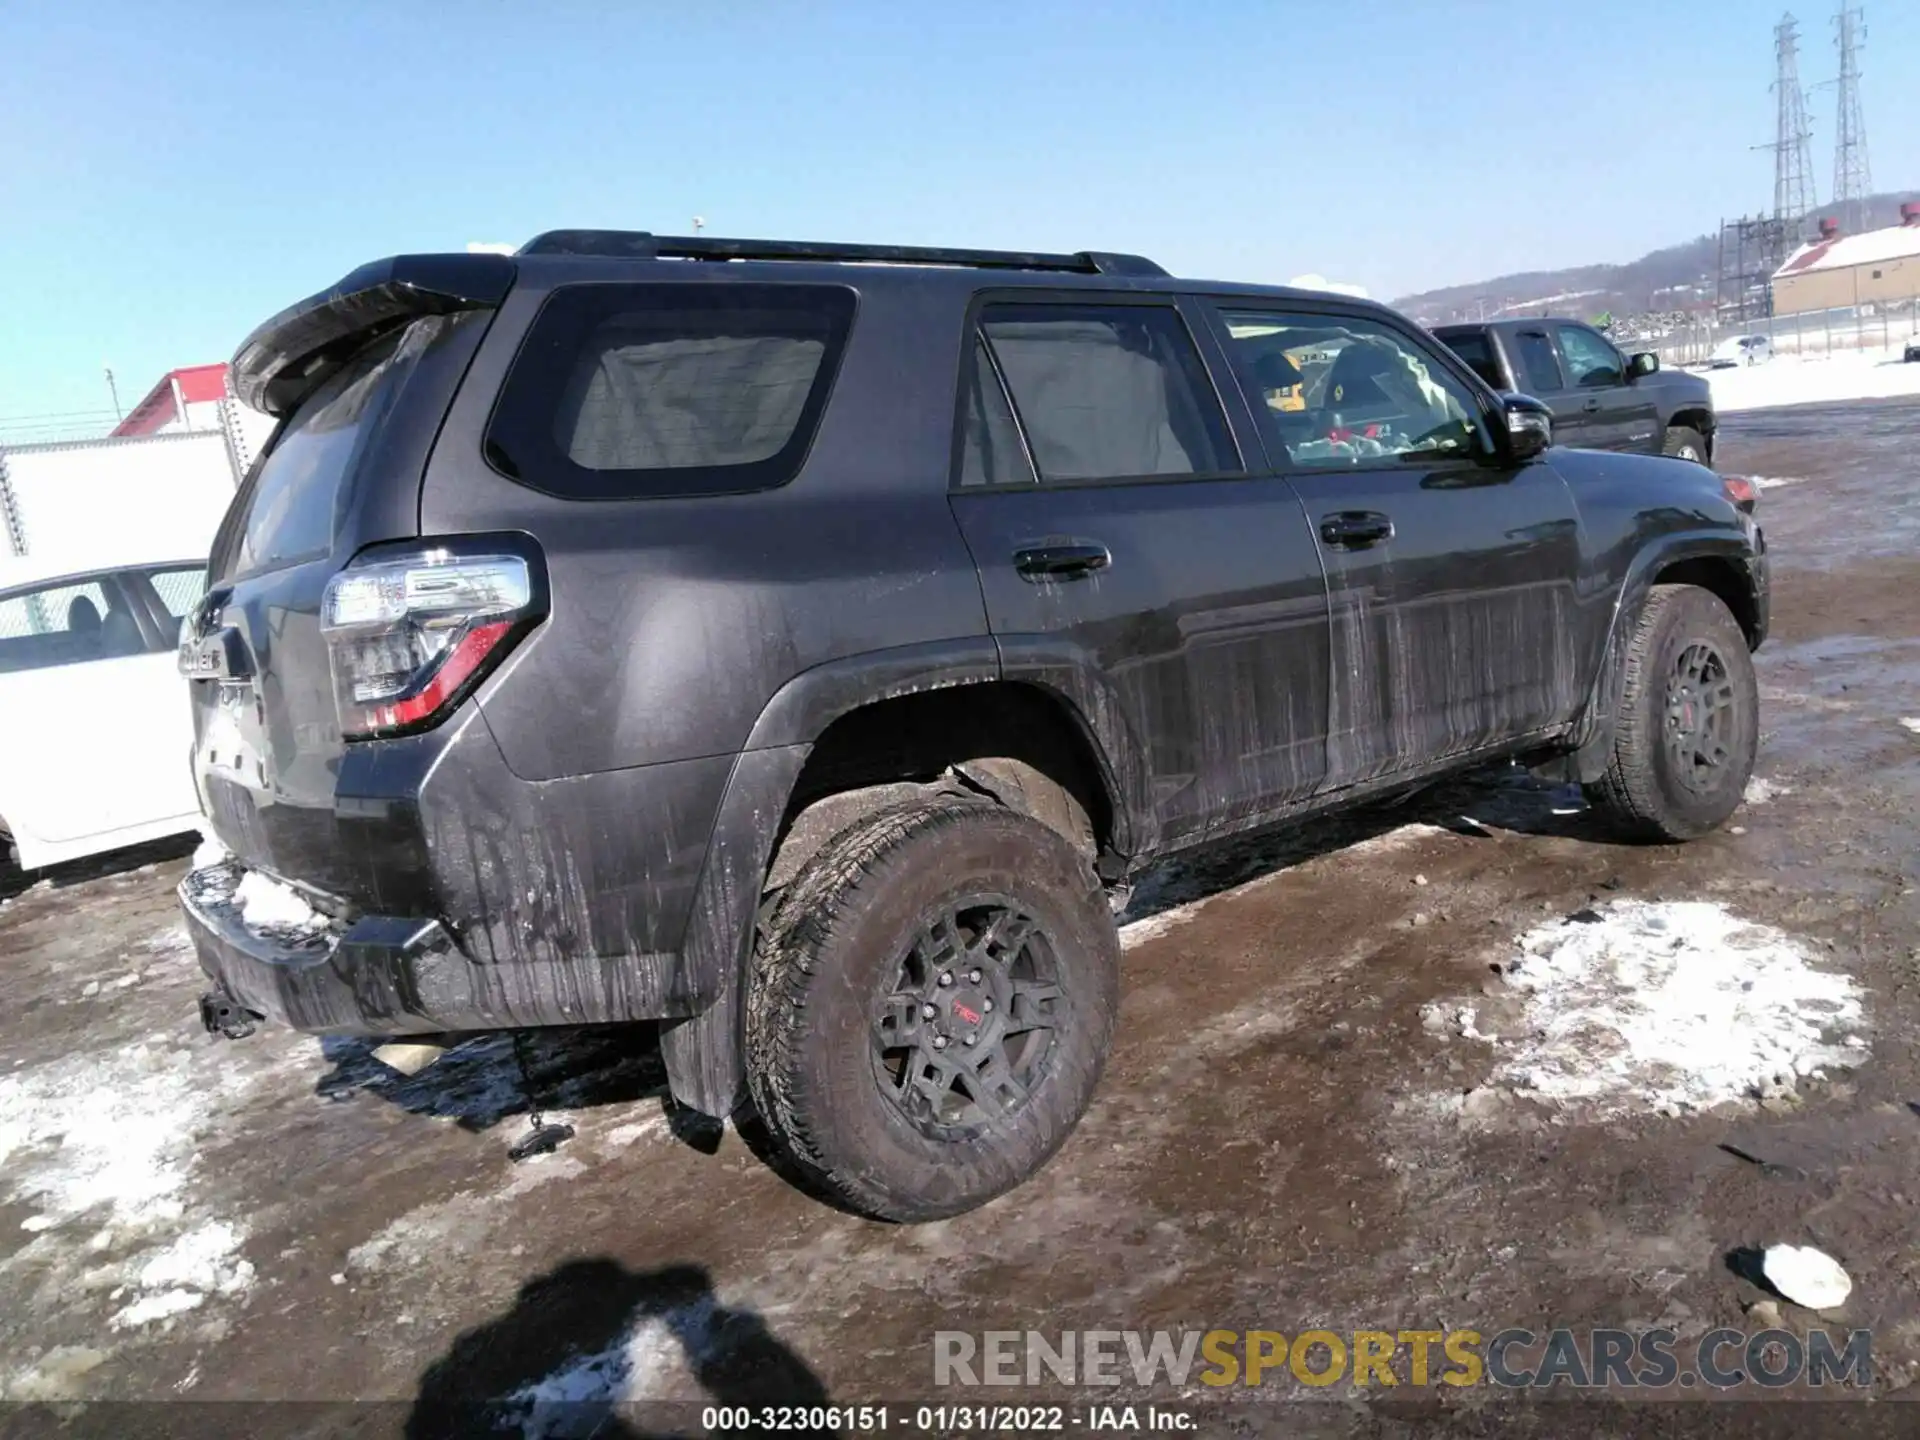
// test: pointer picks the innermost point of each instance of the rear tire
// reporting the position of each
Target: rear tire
(1683, 442)
(1688, 720)
(983, 916)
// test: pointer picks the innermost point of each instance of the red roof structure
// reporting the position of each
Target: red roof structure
(167, 401)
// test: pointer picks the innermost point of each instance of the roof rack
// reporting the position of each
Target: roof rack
(640, 245)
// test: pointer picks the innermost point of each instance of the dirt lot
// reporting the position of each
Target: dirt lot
(1461, 1065)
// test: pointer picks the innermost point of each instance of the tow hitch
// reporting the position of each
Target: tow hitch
(222, 1016)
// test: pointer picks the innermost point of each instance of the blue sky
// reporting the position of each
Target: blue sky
(170, 174)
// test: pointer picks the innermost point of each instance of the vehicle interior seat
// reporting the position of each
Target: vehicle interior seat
(1351, 383)
(120, 633)
(83, 617)
(1275, 371)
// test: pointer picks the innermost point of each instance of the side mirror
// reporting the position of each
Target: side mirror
(1529, 427)
(1645, 363)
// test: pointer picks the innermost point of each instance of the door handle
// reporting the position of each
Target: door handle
(1067, 561)
(1355, 529)
(1592, 405)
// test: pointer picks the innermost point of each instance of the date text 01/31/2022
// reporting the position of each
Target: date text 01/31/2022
(945, 1419)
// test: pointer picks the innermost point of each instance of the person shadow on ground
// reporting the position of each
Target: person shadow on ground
(557, 1364)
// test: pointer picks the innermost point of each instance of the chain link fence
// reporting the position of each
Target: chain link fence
(1692, 340)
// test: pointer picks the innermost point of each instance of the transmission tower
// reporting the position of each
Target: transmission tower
(1793, 194)
(1851, 179)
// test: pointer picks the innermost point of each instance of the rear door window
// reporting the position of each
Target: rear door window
(627, 391)
(1108, 392)
(1539, 365)
(1477, 351)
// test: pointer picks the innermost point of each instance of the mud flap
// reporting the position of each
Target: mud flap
(705, 1055)
(706, 1064)
(1594, 731)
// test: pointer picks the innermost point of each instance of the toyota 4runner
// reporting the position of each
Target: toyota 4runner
(797, 645)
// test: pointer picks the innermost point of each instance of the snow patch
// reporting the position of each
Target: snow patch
(1912, 723)
(1139, 932)
(1760, 792)
(53, 1375)
(210, 853)
(162, 1306)
(265, 903)
(575, 1399)
(102, 1146)
(205, 1259)
(1873, 374)
(622, 1136)
(450, 1227)
(117, 1134)
(1672, 1007)
(1774, 482)
(1396, 839)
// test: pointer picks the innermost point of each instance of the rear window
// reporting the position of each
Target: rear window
(293, 503)
(630, 391)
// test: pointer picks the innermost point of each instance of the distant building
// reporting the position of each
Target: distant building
(1839, 271)
(195, 398)
(184, 399)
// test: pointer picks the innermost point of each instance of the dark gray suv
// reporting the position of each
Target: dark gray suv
(797, 645)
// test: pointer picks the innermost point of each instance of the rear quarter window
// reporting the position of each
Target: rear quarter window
(632, 391)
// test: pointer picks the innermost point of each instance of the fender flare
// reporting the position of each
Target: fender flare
(704, 1053)
(1593, 731)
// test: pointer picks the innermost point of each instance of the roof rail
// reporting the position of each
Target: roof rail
(640, 245)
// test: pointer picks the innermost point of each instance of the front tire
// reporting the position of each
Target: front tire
(1687, 723)
(1683, 442)
(931, 1006)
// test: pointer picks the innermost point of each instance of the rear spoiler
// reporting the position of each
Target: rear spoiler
(285, 358)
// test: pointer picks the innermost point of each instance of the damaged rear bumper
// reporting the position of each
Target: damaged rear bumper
(395, 975)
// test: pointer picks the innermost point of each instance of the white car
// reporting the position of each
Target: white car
(95, 725)
(1740, 350)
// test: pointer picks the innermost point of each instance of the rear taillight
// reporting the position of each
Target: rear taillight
(1741, 491)
(409, 636)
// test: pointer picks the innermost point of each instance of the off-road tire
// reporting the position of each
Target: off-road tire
(1683, 442)
(1642, 794)
(832, 949)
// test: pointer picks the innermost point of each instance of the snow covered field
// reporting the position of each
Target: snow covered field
(1810, 379)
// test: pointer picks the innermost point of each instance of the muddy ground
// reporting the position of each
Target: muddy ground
(1302, 1126)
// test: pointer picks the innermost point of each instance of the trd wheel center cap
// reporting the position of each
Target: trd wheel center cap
(969, 1010)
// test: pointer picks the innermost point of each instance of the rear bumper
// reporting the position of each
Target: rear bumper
(388, 975)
